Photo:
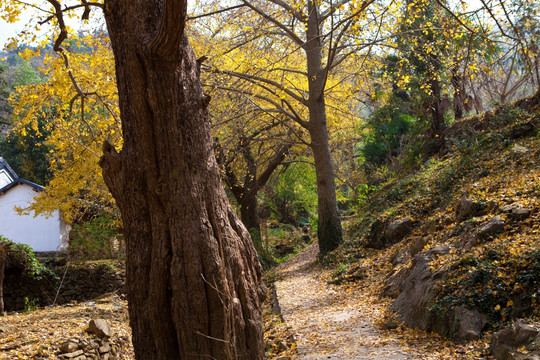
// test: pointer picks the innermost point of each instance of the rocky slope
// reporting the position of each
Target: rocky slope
(456, 244)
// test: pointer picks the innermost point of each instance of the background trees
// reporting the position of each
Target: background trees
(308, 40)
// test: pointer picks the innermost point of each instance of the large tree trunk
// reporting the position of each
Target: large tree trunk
(193, 276)
(329, 229)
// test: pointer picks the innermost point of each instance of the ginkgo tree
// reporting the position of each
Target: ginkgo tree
(75, 128)
(253, 138)
(193, 277)
(250, 146)
(295, 48)
(510, 67)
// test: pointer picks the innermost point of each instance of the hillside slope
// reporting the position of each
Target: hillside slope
(456, 244)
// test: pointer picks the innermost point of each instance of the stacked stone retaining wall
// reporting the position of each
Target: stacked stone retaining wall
(83, 281)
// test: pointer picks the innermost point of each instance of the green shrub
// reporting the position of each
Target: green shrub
(96, 239)
(385, 130)
(22, 256)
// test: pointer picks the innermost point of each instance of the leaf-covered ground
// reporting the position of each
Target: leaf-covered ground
(38, 334)
(349, 321)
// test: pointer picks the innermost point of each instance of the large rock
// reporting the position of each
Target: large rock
(505, 343)
(518, 214)
(398, 229)
(417, 245)
(469, 207)
(466, 324)
(99, 327)
(415, 287)
(375, 236)
(413, 290)
(381, 234)
(493, 226)
(515, 212)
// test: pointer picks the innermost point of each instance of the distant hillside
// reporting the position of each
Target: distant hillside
(456, 244)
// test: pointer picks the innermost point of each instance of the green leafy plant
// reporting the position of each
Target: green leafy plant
(23, 257)
(30, 304)
(95, 239)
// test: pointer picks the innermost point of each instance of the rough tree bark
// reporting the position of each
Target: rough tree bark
(329, 231)
(193, 276)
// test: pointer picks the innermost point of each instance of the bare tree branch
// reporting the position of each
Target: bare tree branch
(215, 12)
(258, 79)
(276, 22)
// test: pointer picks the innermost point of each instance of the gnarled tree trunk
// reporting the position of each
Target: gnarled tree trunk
(193, 276)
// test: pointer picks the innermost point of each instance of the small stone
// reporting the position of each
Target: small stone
(105, 348)
(519, 150)
(281, 345)
(519, 213)
(99, 327)
(73, 355)
(6, 328)
(390, 325)
(68, 347)
(507, 208)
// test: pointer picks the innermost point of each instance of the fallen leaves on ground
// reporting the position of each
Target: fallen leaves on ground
(348, 321)
(39, 334)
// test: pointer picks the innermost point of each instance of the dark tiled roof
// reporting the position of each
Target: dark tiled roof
(17, 180)
(5, 165)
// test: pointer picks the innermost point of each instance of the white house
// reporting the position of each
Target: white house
(42, 233)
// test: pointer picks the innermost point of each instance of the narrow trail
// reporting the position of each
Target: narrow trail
(332, 321)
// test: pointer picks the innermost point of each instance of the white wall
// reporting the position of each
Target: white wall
(41, 233)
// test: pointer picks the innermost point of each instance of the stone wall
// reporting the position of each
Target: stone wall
(83, 281)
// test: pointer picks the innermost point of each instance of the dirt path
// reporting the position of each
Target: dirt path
(330, 321)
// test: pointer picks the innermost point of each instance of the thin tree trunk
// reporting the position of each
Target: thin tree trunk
(193, 276)
(437, 118)
(249, 213)
(329, 229)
